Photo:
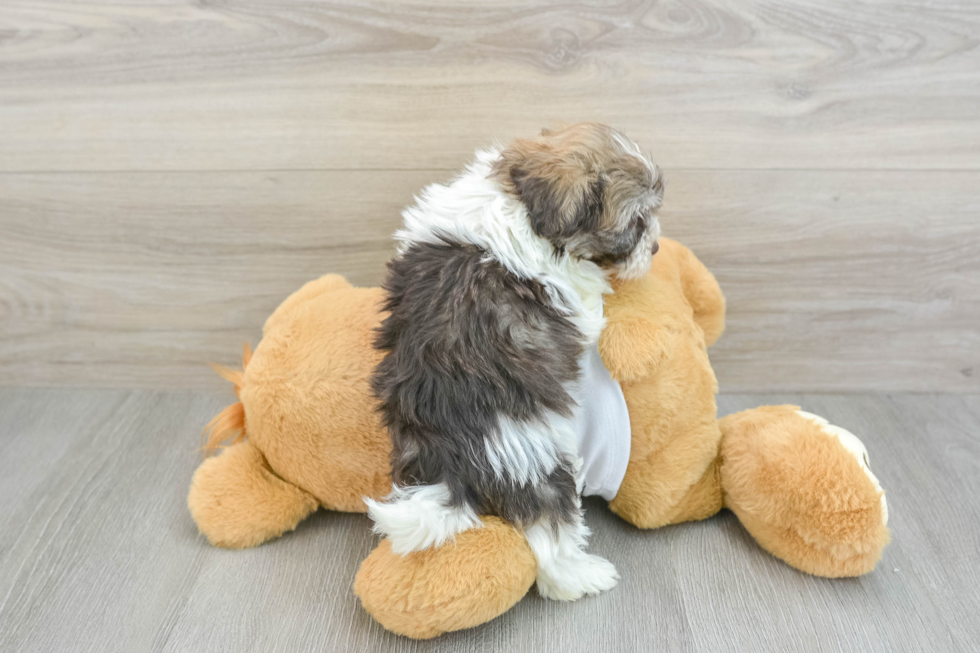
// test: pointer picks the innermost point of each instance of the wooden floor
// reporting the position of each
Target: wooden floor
(98, 552)
(170, 171)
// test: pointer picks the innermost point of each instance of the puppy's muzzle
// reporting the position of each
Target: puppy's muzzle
(655, 248)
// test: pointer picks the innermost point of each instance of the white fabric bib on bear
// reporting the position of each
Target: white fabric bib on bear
(602, 428)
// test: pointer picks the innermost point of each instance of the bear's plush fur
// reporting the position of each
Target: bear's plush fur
(800, 486)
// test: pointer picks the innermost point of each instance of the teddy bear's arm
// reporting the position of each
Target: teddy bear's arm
(633, 347)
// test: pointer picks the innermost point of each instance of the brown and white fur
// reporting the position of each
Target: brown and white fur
(494, 295)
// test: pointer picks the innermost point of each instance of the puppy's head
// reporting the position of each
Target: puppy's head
(590, 191)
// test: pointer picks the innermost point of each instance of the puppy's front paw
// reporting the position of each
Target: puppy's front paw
(589, 574)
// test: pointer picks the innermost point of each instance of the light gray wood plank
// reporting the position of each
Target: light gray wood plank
(37, 428)
(839, 282)
(255, 84)
(98, 553)
(836, 281)
(140, 280)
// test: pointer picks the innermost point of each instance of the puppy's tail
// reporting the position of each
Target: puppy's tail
(229, 423)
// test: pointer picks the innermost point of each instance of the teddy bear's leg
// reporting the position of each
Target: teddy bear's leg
(238, 502)
(702, 500)
(646, 501)
(803, 488)
(457, 585)
(674, 483)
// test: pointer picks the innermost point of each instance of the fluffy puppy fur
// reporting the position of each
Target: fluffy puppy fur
(494, 295)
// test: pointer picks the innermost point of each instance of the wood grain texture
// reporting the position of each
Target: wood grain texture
(265, 84)
(141, 279)
(835, 280)
(169, 172)
(98, 552)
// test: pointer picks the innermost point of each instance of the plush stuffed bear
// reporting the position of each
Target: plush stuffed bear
(799, 485)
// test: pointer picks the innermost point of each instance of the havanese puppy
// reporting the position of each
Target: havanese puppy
(494, 300)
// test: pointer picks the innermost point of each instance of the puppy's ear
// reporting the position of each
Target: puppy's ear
(563, 193)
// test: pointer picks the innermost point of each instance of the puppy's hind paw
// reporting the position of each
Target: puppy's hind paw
(589, 574)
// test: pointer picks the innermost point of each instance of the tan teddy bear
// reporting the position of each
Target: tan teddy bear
(799, 485)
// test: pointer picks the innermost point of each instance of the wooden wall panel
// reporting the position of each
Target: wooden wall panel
(307, 84)
(170, 171)
(835, 280)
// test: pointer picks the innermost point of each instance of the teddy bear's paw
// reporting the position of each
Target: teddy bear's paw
(573, 578)
(854, 447)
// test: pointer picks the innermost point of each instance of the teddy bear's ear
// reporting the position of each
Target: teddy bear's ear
(703, 294)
